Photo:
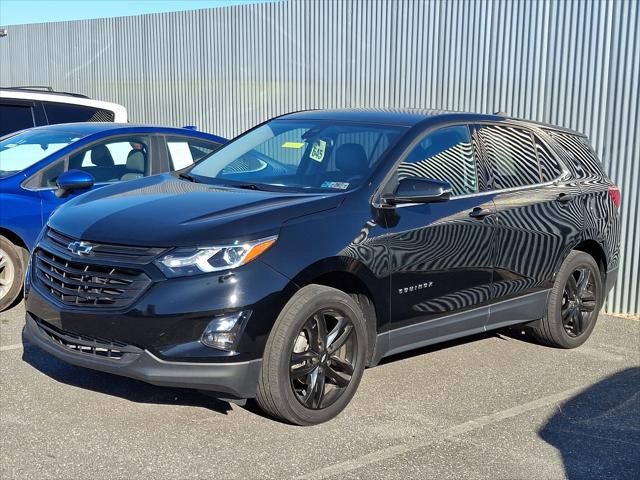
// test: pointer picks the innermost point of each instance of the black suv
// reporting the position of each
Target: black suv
(319, 242)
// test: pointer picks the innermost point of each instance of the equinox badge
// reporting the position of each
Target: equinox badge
(80, 248)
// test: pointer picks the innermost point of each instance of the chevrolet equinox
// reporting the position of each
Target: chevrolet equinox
(319, 242)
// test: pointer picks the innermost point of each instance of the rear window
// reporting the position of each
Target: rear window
(14, 118)
(578, 154)
(67, 113)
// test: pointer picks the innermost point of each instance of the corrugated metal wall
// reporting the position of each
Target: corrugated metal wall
(572, 63)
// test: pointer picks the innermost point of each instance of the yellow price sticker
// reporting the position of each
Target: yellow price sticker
(293, 145)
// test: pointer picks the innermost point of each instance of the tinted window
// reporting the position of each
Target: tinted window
(550, 167)
(66, 113)
(14, 118)
(578, 154)
(512, 156)
(126, 158)
(184, 151)
(445, 154)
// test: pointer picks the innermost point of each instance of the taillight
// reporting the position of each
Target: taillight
(614, 193)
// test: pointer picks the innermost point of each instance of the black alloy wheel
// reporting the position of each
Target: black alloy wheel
(573, 304)
(322, 358)
(314, 357)
(578, 301)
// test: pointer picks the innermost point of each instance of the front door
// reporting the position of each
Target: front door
(113, 160)
(441, 253)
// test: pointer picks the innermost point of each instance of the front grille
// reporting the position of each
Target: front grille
(82, 284)
(125, 253)
(98, 347)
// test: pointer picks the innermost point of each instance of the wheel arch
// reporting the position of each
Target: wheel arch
(13, 238)
(355, 279)
(596, 250)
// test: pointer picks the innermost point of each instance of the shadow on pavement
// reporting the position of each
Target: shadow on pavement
(597, 432)
(129, 389)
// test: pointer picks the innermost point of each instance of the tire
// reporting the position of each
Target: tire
(560, 327)
(287, 394)
(12, 265)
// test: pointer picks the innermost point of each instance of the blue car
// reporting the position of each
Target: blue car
(41, 168)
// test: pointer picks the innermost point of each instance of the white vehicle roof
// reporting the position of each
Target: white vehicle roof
(119, 112)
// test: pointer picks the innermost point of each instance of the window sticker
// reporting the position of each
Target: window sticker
(293, 145)
(336, 185)
(317, 151)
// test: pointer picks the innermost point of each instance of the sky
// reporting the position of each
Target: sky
(16, 12)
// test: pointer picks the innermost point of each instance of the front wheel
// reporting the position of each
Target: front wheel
(12, 266)
(314, 357)
(574, 302)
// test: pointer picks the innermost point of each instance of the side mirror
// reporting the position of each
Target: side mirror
(72, 180)
(419, 190)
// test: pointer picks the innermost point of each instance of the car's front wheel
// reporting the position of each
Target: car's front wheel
(12, 266)
(574, 302)
(314, 357)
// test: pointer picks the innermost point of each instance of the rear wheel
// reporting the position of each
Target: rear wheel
(11, 272)
(574, 302)
(314, 357)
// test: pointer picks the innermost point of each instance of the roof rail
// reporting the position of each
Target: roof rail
(32, 87)
(42, 89)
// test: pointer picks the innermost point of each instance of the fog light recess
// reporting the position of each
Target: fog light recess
(224, 332)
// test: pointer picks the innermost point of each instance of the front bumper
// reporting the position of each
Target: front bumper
(234, 379)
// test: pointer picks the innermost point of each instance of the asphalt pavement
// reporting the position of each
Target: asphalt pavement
(491, 406)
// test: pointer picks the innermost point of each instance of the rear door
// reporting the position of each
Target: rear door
(183, 151)
(538, 219)
(441, 253)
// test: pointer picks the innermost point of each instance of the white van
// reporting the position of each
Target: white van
(26, 107)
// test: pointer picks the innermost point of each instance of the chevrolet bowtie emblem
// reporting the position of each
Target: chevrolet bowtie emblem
(80, 248)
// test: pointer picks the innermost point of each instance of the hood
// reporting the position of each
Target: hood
(165, 211)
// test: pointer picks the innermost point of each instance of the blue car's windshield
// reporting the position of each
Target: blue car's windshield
(299, 155)
(22, 150)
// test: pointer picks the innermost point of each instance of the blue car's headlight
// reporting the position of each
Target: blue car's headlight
(193, 261)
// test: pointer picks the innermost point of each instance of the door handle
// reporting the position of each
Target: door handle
(564, 197)
(479, 212)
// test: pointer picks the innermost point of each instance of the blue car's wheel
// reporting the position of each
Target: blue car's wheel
(11, 273)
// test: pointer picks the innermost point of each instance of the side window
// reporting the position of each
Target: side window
(578, 154)
(447, 155)
(550, 167)
(124, 158)
(185, 151)
(14, 118)
(512, 156)
(68, 113)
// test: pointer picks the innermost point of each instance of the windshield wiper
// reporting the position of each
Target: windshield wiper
(248, 186)
(188, 177)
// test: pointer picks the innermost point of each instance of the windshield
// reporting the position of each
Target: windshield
(299, 155)
(20, 151)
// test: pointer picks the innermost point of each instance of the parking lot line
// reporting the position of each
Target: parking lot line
(449, 433)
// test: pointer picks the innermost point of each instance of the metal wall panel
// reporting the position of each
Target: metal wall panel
(571, 63)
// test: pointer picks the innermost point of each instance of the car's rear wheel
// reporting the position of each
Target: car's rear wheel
(574, 302)
(314, 357)
(11, 273)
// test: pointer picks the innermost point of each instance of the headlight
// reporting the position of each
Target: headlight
(193, 261)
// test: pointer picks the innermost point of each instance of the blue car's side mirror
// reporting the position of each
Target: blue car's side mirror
(73, 180)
